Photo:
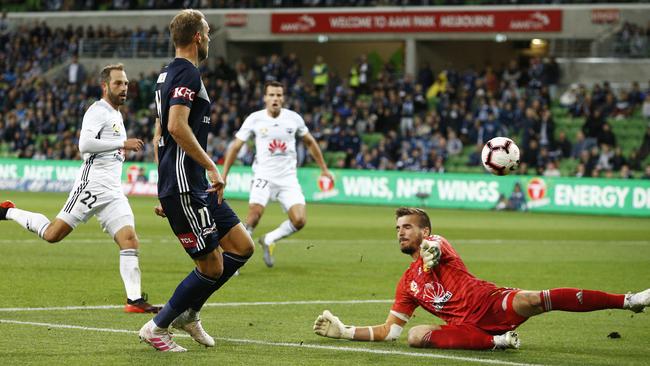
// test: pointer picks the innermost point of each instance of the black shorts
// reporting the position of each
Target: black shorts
(198, 222)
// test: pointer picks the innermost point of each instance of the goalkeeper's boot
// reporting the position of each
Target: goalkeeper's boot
(190, 323)
(4, 207)
(507, 340)
(637, 302)
(140, 306)
(159, 338)
(268, 252)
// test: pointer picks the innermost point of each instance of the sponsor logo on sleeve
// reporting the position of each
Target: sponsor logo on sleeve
(183, 92)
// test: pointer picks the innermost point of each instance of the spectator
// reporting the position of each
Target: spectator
(645, 109)
(551, 170)
(75, 72)
(644, 150)
(517, 200)
(320, 74)
(625, 172)
(563, 148)
(606, 136)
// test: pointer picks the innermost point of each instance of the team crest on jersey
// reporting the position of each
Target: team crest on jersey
(414, 288)
(209, 230)
(116, 129)
(264, 131)
(290, 131)
(277, 147)
(436, 294)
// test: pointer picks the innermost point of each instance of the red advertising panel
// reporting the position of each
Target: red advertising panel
(417, 22)
(605, 16)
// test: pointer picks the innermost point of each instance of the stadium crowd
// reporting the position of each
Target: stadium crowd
(369, 117)
(53, 5)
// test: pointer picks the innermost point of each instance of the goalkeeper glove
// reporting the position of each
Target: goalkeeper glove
(430, 252)
(328, 325)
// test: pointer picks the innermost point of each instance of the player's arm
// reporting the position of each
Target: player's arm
(328, 325)
(157, 135)
(231, 155)
(178, 126)
(91, 127)
(314, 151)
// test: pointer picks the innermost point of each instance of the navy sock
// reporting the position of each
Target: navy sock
(192, 287)
(231, 263)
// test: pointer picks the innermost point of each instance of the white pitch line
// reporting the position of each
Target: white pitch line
(286, 344)
(211, 304)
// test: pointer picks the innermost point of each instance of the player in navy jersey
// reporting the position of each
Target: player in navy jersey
(478, 314)
(192, 203)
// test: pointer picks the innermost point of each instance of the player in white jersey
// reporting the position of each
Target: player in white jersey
(97, 190)
(274, 169)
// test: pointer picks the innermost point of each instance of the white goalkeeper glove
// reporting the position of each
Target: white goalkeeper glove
(328, 325)
(430, 252)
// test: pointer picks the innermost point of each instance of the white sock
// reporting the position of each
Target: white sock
(130, 271)
(285, 229)
(32, 221)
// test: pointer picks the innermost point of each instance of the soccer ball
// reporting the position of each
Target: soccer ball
(500, 156)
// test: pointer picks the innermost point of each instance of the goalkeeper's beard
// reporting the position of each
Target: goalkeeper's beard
(409, 249)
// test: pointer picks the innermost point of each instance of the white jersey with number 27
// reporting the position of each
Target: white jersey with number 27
(275, 142)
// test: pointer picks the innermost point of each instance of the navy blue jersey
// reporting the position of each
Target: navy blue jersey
(180, 83)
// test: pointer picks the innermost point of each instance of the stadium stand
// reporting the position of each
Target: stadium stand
(373, 117)
(53, 5)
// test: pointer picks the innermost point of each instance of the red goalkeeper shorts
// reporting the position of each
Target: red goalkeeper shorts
(500, 316)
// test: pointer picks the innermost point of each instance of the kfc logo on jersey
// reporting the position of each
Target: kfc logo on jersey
(277, 147)
(184, 92)
(188, 240)
(436, 294)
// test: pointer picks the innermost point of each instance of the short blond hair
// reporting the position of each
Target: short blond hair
(106, 72)
(185, 25)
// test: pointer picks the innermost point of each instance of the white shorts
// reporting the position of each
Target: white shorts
(88, 199)
(287, 191)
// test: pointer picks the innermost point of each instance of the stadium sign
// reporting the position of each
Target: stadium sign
(418, 22)
(629, 197)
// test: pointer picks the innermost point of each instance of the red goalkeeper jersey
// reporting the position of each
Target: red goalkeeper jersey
(447, 291)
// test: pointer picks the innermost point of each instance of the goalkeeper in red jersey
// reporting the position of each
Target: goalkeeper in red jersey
(478, 314)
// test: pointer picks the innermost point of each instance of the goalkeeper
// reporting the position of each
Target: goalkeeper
(478, 314)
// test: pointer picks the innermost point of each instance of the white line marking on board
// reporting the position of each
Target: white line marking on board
(285, 344)
(210, 304)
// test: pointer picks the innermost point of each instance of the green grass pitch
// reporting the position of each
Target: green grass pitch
(345, 260)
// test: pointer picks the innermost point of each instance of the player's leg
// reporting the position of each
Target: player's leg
(297, 218)
(459, 337)
(191, 223)
(136, 301)
(235, 244)
(293, 202)
(258, 198)
(35, 222)
(530, 303)
(255, 212)
(116, 218)
(236, 247)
